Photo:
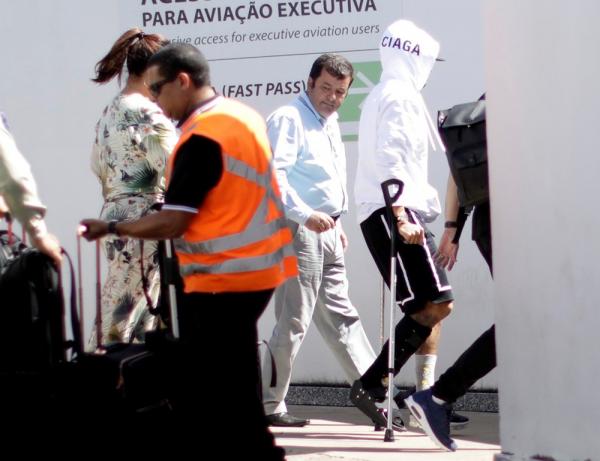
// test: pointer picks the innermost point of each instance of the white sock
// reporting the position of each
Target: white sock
(425, 370)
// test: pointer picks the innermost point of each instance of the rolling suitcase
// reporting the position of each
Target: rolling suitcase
(122, 381)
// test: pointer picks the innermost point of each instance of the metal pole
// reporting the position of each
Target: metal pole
(382, 315)
(389, 432)
(98, 300)
(80, 283)
(172, 293)
(389, 202)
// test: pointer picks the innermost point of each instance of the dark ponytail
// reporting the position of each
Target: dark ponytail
(134, 47)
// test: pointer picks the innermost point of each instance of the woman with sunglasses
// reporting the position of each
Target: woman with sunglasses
(133, 141)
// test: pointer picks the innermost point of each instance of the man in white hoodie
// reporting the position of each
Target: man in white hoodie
(394, 136)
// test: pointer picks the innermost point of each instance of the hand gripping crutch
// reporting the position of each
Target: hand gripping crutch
(390, 198)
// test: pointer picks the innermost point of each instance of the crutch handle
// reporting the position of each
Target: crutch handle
(390, 199)
(386, 186)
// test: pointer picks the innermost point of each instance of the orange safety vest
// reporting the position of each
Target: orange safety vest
(238, 240)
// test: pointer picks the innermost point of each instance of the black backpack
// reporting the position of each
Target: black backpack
(33, 339)
(463, 131)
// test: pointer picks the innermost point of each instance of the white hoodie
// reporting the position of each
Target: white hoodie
(395, 126)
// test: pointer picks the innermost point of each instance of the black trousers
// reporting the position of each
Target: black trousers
(480, 358)
(218, 375)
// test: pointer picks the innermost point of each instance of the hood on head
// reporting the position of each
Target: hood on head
(407, 53)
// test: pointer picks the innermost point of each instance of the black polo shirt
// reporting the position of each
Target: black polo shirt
(197, 169)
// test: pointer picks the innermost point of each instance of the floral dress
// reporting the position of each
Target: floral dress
(133, 141)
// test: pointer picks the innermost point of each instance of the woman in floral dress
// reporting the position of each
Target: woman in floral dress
(133, 141)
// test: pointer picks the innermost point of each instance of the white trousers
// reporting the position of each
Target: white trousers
(319, 293)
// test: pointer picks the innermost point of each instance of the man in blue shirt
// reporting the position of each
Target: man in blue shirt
(310, 163)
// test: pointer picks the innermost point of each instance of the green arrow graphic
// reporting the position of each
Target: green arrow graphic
(366, 76)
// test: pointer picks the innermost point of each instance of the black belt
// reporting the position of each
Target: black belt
(335, 218)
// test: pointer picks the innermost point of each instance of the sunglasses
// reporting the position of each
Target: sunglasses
(156, 87)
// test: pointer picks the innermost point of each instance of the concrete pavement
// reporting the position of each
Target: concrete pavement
(343, 433)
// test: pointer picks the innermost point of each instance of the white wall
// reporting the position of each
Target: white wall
(48, 55)
(543, 74)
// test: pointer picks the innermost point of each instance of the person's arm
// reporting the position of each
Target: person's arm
(49, 245)
(447, 252)
(285, 139)
(394, 148)
(3, 208)
(18, 187)
(395, 144)
(19, 191)
(343, 236)
(166, 224)
(198, 168)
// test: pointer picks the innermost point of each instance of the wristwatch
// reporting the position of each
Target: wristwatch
(112, 227)
(450, 224)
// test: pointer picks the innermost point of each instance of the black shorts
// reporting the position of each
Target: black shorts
(418, 279)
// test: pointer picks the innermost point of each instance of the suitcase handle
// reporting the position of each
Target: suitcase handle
(77, 343)
(98, 321)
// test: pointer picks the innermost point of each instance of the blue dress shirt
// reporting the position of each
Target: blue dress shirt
(309, 160)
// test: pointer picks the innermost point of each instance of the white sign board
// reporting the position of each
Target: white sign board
(261, 51)
(52, 47)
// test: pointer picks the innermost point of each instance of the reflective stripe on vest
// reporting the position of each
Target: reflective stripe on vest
(252, 263)
(256, 230)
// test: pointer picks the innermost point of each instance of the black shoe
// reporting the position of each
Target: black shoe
(286, 420)
(457, 421)
(363, 400)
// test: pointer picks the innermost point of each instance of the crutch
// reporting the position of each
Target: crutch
(390, 198)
